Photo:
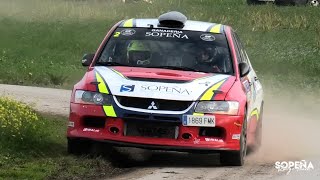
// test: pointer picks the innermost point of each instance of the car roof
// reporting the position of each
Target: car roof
(189, 25)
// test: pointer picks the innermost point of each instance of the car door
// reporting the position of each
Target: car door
(257, 88)
(251, 84)
(246, 80)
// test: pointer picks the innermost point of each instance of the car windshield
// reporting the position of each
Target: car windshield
(169, 49)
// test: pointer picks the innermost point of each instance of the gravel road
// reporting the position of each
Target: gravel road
(55, 101)
(291, 133)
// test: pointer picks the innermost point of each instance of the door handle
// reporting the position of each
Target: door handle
(256, 78)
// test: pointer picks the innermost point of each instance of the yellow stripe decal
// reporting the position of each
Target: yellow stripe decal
(207, 96)
(198, 114)
(101, 86)
(216, 28)
(128, 23)
(255, 113)
(118, 73)
(109, 111)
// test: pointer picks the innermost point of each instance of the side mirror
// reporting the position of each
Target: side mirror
(87, 59)
(244, 69)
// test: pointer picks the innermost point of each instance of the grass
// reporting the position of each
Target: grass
(47, 158)
(33, 146)
(42, 41)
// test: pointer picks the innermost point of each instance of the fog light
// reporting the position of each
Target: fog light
(98, 98)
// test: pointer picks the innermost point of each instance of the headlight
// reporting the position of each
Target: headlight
(218, 107)
(88, 97)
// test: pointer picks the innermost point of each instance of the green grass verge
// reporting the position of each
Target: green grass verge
(42, 41)
(33, 146)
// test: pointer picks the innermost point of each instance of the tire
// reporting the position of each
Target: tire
(236, 158)
(259, 129)
(78, 147)
(258, 135)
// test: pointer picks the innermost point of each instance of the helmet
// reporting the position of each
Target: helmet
(138, 53)
(207, 54)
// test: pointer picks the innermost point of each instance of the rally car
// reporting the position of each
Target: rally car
(169, 84)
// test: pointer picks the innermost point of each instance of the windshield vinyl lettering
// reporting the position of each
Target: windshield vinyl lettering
(167, 33)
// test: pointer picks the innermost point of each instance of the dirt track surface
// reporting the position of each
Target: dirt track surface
(55, 101)
(290, 133)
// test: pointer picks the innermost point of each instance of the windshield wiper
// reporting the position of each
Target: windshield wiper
(111, 64)
(176, 68)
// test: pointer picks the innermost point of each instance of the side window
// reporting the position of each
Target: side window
(237, 47)
(243, 53)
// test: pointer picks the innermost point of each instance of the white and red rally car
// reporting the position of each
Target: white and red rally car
(169, 83)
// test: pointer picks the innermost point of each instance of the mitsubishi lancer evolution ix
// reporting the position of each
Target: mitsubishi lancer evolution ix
(168, 84)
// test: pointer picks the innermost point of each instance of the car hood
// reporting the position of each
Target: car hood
(163, 83)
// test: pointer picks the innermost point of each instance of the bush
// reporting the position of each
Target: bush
(18, 121)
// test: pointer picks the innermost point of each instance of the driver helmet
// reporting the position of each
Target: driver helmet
(138, 53)
(207, 55)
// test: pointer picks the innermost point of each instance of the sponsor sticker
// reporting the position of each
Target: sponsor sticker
(236, 136)
(167, 33)
(246, 85)
(90, 130)
(207, 83)
(213, 140)
(70, 124)
(165, 89)
(289, 166)
(127, 88)
(207, 37)
(128, 32)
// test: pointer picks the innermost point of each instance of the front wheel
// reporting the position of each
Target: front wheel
(236, 158)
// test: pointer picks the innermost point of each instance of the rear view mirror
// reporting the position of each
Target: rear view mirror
(87, 59)
(244, 69)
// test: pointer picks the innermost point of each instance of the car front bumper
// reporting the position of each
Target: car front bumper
(228, 140)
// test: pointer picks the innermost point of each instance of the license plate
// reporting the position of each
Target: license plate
(203, 121)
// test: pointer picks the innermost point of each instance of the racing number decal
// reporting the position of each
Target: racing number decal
(116, 34)
(102, 87)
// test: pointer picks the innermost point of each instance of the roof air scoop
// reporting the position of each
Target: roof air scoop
(172, 19)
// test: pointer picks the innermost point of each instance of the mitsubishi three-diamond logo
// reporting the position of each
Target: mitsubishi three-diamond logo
(153, 105)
